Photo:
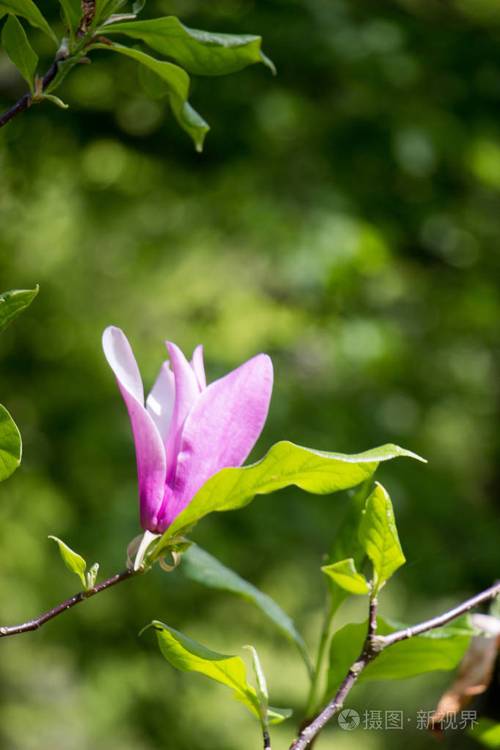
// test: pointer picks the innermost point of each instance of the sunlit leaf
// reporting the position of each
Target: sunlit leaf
(379, 536)
(73, 561)
(346, 542)
(346, 576)
(189, 656)
(199, 52)
(200, 566)
(177, 84)
(10, 444)
(16, 45)
(13, 303)
(28, 10)
(440, 649)
(284, 465)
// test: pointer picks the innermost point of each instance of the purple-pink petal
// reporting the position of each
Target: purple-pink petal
(161, 399)
(187, 391)
(198, 366)
(150, 452)
(220, 431)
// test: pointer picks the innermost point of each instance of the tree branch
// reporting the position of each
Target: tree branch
(444, 619)
(267, 739)
(373, 646)
(81, 596)
(27, 99)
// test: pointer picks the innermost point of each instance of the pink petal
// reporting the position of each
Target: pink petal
(187, 391)
(150, 453)
(161, 399)
(199, 367)
(220, 430)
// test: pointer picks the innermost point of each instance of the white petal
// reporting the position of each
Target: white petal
(160, 402)
(120, 356)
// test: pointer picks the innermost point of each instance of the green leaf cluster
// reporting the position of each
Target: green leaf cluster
(77, 564)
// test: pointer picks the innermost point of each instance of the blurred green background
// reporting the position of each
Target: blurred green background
(344, 218)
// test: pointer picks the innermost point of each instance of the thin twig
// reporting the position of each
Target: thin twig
(373, 646)
(267, 739)
(372, 617)
(444, 619)
(37, 622)
(27, 99)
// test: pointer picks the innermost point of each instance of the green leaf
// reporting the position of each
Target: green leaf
(28, 10)
(440, 649)
(177, 85)
(487, 732)
(73, 561)
(105, 8)
(13, 303)
(379, 536)
(16, 45)
(346, 576)
(346, 543)
(10, 445)
(55, 100)
(72, 11)
(278, 715)
(284, 465)
(189, 656)
(200, 566)
(199, 52)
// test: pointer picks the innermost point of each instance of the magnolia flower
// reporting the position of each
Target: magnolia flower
(187, 431)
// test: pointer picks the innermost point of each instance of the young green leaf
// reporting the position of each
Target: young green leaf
(260, 680)
(200, 566)
(284, 465)
(72, 12)
(10, 445)
(56, 100)
(440, 649)
(13, 303)
(346, 543)
(177, 84)
(73, 561)
(379, 536)
(346, 576)
(16, 45)
(189, 656)
(28, 10)
(278, 715)
(199, 52)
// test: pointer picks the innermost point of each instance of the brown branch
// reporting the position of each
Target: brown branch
(88, 14)
(373, 646)
(27, 99)
(81, 596)
(444, 619)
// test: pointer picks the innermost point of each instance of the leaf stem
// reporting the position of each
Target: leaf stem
(324, 643)
(37, 622)
(372, 647)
